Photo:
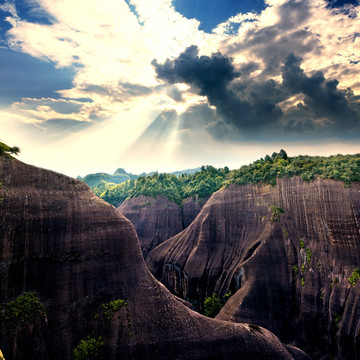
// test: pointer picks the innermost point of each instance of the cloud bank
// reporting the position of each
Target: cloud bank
(289, 72)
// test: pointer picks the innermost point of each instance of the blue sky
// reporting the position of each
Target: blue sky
(212, 13)
(90, 86)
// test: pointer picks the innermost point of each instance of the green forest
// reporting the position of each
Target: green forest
(203, 183)
(177, 188)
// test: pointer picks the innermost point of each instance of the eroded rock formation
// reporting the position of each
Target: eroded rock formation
(77, 254)
(289, 271)
(157, 220)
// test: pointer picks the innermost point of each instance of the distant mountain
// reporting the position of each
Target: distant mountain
(119, 176)
(99, 182)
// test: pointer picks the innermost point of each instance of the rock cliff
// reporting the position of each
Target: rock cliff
(76, 261)
(289, 270)
(157, 220)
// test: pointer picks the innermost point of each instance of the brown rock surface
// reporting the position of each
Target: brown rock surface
(77, 253)
(157, 220)
(290, 276)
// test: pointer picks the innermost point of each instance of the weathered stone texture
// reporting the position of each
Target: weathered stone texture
(158, 219)
(301, 294)
(76, 252)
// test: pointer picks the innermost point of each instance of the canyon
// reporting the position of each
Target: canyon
(286, 252)
(80, 263)
(158, 219)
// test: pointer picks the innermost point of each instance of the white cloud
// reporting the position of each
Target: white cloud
(111, 48)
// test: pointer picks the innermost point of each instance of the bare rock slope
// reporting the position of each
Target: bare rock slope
(80, 257)
(289, 270)
(158, 219)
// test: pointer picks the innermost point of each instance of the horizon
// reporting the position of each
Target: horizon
(177, 84)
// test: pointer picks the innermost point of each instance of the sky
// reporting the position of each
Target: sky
(90, 86)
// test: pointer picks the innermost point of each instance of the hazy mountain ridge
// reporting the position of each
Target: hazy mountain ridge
(99, 182)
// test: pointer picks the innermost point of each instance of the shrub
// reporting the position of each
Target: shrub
(295, 270)
(112, 307)
(276, 211)
(88, 348)
(24, 308)
(355, 277)
(212, 305)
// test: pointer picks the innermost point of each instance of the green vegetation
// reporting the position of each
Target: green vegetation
(302, 281)
(103, 180)
(89, 348)
(301, 243)
(25, 308)
(276, 211)
(335, 281)
(308, 255)
(6, 150)
(176, 189)
(355, 277)
(338, 167)
(286, 234)
(303, 268)
(213, 304)
(208, 180)
(295, 270)
(111, 308)
(337, 319)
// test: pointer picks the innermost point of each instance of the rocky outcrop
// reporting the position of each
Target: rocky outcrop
(158, 219)
(289, 271)
(81, 259)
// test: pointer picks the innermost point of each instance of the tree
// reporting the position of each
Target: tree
(212, 305)
(6, 150)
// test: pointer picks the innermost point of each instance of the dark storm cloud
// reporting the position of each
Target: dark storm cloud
(212, 77)
(322, 98)
(246, 105)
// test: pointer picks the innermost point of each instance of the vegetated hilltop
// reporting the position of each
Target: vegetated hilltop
(100, 182)
(74, 284)
(289, 252)
(161, 205)
(205, 182)
(176, 188)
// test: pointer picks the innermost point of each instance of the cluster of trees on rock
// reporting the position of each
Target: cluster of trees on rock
(209, 179)
(177, 188)
(338, 167)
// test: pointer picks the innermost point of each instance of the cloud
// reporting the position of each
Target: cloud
(322, 98)
(253, 105)
(212, 77)
(237, 84)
